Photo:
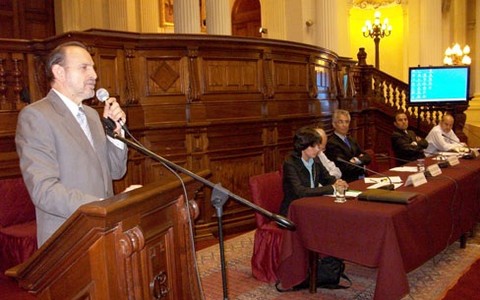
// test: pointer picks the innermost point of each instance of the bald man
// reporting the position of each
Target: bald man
(332, 169)
(441, 138)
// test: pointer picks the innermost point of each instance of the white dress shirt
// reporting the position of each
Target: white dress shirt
(438, 143)
(329, 165)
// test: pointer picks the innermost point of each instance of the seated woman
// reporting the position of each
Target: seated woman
(303, 173)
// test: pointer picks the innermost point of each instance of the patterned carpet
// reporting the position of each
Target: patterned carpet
(430, 281)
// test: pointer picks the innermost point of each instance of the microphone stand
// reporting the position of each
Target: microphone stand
(220, 195)
(390, 186)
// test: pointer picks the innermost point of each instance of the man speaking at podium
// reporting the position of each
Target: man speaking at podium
(65, 158)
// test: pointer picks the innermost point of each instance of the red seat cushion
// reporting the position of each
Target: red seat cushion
(17, 244)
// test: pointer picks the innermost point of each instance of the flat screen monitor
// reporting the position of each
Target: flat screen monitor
(438, 86)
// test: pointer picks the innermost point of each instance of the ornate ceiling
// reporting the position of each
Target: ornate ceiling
(375, 3)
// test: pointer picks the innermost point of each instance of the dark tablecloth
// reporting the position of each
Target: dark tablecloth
(395, 238)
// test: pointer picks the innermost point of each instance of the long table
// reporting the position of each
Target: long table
(395, 238)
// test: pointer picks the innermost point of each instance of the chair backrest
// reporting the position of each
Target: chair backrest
(15, 204)
(267, 192)
(373, 163)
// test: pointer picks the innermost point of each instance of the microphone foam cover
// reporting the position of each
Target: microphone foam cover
(102, 95)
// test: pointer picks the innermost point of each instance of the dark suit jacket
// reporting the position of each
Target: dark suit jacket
(336, 148)
(60, 167)
(403, 148)
(296, 181)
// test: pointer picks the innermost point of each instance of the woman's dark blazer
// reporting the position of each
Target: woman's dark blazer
(296, 181)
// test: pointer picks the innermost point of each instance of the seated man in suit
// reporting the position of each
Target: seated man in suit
(332, 169)
(406, 145)
(441, 138)
(340, 145)
(303, 172)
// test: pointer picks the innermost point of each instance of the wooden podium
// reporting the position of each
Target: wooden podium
(135, 245)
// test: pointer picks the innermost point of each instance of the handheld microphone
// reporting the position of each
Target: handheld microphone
(390, 186)
(102, 96)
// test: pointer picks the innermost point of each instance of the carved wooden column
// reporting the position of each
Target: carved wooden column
(186, 16)
(132, 243)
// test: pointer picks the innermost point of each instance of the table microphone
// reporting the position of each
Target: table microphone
(390, 186)
(471, 153)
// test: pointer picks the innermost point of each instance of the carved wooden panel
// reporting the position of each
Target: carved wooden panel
(230, 76)
(164, 76)
(291, 77)
(227, 104)
(110, 68)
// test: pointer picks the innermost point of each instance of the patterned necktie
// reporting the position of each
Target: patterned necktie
(82, 120)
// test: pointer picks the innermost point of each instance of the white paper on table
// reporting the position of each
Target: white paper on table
(449, 154)
(352, 193)
(393, 179)
(409, 169)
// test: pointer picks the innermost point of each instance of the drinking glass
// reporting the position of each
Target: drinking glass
(340, 194)
(421, 165)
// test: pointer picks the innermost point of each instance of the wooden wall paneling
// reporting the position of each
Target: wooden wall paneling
(235, 153)
(23, 19)
(163, 88)
(39, 19)
(8, 26)
(170, 144)
(272, 159)
(230, 84)
(291, 84)
(110, 68)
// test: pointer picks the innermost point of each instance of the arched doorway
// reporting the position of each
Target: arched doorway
(246, 18)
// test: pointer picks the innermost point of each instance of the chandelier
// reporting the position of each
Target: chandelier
(377, 31)
(456, 56)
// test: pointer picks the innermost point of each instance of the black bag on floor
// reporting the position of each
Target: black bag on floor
(329, 272)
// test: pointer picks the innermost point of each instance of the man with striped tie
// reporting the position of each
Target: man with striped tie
(65, 157)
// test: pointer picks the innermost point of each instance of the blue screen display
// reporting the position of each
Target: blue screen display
(438, 85)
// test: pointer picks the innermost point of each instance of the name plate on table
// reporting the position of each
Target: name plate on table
(434, 170)
(387, 196)
(416, 179)
(453, 160)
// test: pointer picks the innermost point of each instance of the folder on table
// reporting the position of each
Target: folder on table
(387, 196)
